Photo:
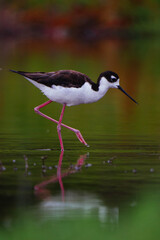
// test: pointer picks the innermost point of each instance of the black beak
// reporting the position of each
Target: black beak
(120, 88)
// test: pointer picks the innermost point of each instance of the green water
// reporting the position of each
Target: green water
(123, 159)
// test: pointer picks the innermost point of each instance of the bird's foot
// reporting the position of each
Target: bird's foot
(81, 139)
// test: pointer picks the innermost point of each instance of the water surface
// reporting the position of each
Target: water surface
(123, 160)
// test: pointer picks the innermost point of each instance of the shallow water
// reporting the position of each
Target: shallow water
(123, 159)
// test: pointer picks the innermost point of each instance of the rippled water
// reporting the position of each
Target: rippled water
(123, 160)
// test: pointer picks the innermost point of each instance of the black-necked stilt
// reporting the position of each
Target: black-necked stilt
(70, 88)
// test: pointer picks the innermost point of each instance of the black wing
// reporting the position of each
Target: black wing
(65, 78)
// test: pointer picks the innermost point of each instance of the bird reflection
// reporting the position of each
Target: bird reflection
(40, 189)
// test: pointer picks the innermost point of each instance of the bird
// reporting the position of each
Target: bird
(69, 88)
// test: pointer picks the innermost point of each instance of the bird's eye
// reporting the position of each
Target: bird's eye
(113, 78)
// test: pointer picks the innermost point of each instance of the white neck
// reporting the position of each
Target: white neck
(104, 85)
(94, 96)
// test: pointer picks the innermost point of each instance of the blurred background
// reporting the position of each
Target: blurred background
(114, 183)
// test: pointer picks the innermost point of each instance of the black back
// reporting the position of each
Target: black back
(67, 78)
(64, 78)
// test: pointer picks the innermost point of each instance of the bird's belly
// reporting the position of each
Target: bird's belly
(71, 96)
(68, 96)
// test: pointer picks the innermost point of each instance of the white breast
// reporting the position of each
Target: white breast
(71, 96)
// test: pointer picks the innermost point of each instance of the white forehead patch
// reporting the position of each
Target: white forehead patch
(113, 77)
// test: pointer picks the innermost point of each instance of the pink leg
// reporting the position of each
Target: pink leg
(76, 131)
(59, 127)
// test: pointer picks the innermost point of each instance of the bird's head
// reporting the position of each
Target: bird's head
(112, 80)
